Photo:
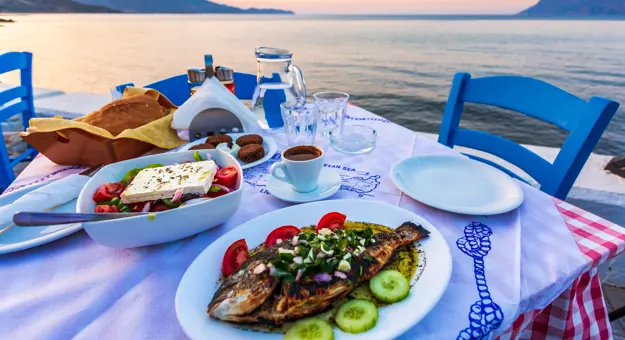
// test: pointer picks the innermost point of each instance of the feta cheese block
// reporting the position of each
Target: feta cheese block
(162, 183)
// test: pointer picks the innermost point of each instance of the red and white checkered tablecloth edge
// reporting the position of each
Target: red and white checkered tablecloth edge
(580, 311)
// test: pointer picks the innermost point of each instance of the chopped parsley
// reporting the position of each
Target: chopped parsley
(324, 252)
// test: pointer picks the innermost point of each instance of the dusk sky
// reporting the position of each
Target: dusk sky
(391, 6)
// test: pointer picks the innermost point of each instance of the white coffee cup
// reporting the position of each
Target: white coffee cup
(300, 167)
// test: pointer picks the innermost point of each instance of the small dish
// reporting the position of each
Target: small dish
(164, 226)
(353, 139)
(329, 184)
(269, 144)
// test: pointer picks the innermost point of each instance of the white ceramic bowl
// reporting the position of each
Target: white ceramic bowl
(167, 225)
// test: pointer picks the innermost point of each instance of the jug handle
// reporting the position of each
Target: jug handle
(297, 77)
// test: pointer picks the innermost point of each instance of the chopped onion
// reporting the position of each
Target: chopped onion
(327, 252)
(295, 239)
(321, 255)
(146, 207)
(259, 269)
(298, 259)
(177, 195)
(272, 271)
(299, 274)
(208, 157)
(325, 232)
(340, 275)
(347, 256)
(322, 277)
(222, 187)
(279, 241)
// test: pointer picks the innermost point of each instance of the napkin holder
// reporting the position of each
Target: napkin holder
(213, 109)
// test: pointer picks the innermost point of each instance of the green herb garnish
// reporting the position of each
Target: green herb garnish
(322, 253)
(151, 217)
(197, 157)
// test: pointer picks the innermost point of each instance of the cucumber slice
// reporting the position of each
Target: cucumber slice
(389, 286)
(310, 329)
(357, 316)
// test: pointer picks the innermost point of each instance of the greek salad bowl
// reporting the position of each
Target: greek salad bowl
(180, 194)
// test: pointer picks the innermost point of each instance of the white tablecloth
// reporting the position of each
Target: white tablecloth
(503, 265)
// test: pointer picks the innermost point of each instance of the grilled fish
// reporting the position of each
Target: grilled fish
(259, 300)
(243, 291)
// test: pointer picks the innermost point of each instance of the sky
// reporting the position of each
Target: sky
(390, 6)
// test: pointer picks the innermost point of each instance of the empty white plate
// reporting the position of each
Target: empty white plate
(457, 184)
(14, 238)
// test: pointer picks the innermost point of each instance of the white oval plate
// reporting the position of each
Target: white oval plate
(457, 184)
(269, 145)
(13, 238)
(198, 285)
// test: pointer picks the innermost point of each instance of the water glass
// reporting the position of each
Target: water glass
(332, 108)
(300, 123)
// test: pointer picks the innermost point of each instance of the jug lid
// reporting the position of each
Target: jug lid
(273, 53)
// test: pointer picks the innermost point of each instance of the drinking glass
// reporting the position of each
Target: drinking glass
(332, 107)
(300, 123)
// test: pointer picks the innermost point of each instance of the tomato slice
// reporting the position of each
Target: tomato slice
(216, 194)
(101, 209)
(227, 176)
(333, 220)
(108, 191)
(234, 257)
(283, 233)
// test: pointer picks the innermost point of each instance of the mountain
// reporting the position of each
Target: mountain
(577, 8)
(177, 6)
(50, 6)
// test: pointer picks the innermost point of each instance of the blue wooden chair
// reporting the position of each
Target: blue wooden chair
(585, 121)
(14, 101)
(176, 89)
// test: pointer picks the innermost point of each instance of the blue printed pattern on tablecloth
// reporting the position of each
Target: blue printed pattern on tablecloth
(484, 315)
(362, 183)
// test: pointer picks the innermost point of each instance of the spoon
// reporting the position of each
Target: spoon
(38, 219)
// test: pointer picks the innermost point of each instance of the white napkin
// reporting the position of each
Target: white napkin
(213, 95)
(45, 198)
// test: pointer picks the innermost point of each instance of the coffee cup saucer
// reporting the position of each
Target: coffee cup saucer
(329, 184)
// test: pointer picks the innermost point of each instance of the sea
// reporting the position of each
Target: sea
(400, 67)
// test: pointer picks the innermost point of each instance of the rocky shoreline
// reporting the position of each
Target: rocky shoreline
(6, 20)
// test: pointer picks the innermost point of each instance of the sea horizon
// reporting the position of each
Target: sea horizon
(399, 67)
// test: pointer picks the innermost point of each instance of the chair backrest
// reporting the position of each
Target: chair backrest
(14, 101)
(585, 121)
(177, 89)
